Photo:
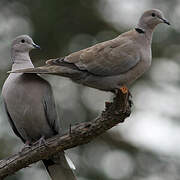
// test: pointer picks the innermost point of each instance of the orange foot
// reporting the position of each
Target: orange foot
(124, 90)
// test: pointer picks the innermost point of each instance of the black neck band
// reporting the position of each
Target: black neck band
(140, 30)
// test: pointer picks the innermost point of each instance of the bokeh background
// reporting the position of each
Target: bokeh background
(146, 146)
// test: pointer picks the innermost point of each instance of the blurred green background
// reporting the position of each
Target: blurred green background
(146, 146)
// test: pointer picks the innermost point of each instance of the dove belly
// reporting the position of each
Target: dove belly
(26, 110)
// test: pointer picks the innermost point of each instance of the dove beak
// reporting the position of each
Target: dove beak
(165, 21)
(36, 46)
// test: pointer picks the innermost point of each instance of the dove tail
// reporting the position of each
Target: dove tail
(56, 67)
(58, 168)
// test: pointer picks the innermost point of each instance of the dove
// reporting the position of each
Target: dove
(30, 107)
(111, 65)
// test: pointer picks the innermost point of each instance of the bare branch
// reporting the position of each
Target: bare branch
(114, 113)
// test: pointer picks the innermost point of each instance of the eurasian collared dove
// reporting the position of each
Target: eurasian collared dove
(30, 106)
(113, 64)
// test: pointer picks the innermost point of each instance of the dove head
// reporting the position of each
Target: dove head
(20, 48)
(150, 19)
(23, 44)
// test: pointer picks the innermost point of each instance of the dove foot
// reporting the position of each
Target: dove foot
(27, 145)
(42, 141)
(124, 90)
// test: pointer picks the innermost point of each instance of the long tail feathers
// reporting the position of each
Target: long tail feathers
(55, 67)
(38, 70)
(58, 168)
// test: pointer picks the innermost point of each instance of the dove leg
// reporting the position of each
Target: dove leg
(128, 97)
(127, 94)
(125, 90)
(27, 145)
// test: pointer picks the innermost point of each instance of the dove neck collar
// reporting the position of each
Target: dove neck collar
(140, 31)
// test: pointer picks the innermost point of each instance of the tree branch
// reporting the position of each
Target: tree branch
(114, 113)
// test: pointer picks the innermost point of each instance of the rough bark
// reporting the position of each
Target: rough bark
(114, 113)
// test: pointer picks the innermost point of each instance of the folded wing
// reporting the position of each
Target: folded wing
(108, 58)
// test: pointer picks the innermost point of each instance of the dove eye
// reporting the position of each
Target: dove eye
(23, 41)
(153, 14)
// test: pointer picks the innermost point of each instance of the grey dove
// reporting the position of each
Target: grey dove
(30, 106)
(112, 64)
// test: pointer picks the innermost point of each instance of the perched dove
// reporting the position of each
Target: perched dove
(112, 64)
(30, 106)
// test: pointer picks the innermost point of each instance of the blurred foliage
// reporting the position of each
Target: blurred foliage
(64, 26)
